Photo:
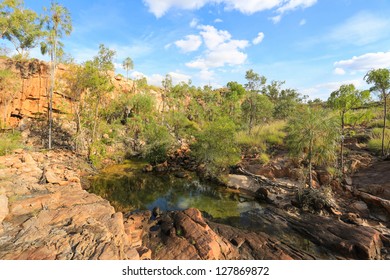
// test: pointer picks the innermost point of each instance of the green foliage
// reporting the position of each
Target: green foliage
(312, 135)
(380, 78)
(128, 64)
(142, 105)
(256, 109)
(20, 26)
(9, 142)
(347, 98)
(254, 81)
(215, 147)
(262, 137)
(375, 143)
(360, 117)
(158, 143)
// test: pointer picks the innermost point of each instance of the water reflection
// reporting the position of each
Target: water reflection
(134, 190)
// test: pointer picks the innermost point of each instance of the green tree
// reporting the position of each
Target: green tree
(255, 82)
(167, 86)
(22, 26)
(158, 142)
(256, 108)
(344, 100)
(312, 135)
(98, 82)
(231, 99)
(208, 149)
(7, 11)
(128, 65)
(58, 22)
(380, 78)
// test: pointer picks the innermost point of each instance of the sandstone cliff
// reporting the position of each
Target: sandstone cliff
(30, 99)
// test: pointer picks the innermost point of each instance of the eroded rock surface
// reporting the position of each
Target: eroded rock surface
(45, 213)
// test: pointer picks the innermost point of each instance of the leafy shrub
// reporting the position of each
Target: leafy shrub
(158, 143)
(261, 136)
(215, 147)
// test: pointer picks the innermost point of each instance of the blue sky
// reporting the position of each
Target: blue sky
(313, 45)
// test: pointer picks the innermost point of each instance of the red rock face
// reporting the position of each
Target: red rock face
(32, 98)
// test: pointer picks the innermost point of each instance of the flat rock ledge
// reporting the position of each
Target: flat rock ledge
(45, 214)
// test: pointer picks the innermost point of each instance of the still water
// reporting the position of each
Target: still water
(128, 189)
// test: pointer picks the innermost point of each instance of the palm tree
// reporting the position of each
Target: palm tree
(58, 21)
(312, 135)
(128, 65)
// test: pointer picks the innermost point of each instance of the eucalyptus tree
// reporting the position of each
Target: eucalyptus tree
(128, 65)
(58, 22)
(345, 99)
(380, 78)
(22, 27)
(312, 136)
(256, 108)
(7, 11)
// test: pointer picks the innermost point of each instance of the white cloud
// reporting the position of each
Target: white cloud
(361, 29)
(190, 43)
(213, 37)
(160, 7)
(365, 62)
(339, 71)
(155, 79)
(137, 75)
(295, 4)
(276, 19)
(217, 20)
(221, 49)
(179, 77)
(258, 39)
(324, 90)
(302, 22)
(194, 22)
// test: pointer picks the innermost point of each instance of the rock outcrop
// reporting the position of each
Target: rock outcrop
(45, 213)
(31, 99)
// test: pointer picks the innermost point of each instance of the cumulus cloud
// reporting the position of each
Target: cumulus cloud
(221, 49)
(160, 7)
(339, 71)
(217, 20)
(324, 90)
(365, 62)
(155, 79)
(258, 39)
(190, 43)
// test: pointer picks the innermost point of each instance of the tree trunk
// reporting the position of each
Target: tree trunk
(52, 70)
(309, 157)
(384, 124)
(342, 144)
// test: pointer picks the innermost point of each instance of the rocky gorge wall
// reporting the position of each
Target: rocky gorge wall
(27, 95)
